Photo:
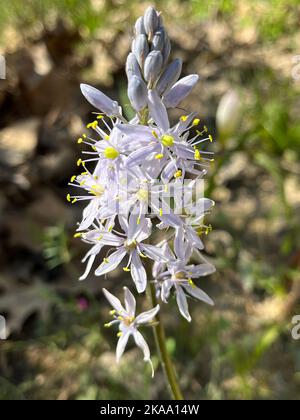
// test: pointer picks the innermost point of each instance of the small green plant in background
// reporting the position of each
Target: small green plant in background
(55, 246)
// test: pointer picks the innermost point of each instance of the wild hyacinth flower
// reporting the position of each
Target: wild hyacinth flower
(177, 274)
(129, 322)
(128, 169)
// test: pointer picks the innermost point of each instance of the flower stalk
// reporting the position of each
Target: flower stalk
(166, 361)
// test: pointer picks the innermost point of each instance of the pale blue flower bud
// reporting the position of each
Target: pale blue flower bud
(151, 21)
(153, 66)
(180, 90)
(99, 100)
(140, 48)
(167, 49)
(169, 76)
(139, 27)
(158, 40)
(132, 66)
(137, 93)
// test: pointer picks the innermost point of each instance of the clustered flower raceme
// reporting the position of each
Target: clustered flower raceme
(133, 161)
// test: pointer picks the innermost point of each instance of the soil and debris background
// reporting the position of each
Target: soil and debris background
(243, 347)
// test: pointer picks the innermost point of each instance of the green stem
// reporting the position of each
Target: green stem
(167, 365)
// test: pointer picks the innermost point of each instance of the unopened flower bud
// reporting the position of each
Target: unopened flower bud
(153, 66)
(99, 100)
(137, 93)
(140, 48)
(158, 40)
(169, 76)
(228, 114)
(167, 49)
(139, 27)
(151, 21)
(132, 66)
(180, 90)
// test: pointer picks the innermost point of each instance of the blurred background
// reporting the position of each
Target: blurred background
(243, 347)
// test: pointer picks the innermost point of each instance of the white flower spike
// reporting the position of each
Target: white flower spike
(140, 178)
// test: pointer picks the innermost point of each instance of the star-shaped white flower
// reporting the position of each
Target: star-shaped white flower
(129, 323)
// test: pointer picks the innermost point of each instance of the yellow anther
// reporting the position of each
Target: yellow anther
(93, 125)
(178, 174)
(166, 189)
(77, 235)
(79, 162)
(82, 183)
(208, 229)
(112, 312)
(106, 137)
(196, 121)
(69, 197)
(119, 334)
(105, 260)
(73, 178)
(197, 154)
(107, 325)
(205, 129)
(111, 153)
(110, 228)
(126, 269)
(183, 118)
(159, 156)
(74, 200)
(100, 238)
(154, 134)
(80, 140)
(161, 212)
(138, 221)
(99, 117)
(210, 138)
(167, 140)
(120, 318)
(84, 136)
(94, 148)
(83, 173)
(143, 255)
(191, 283)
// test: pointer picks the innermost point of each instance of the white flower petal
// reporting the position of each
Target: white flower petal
(141, 154)
(114, 301)
(137, 131)
(158, 111)
(199, 294)
(138, 272)
(165, 290)
(154, 252)
(89, 214)
(147, 316)
(88, 267)
(182, 303)
(141, 343)
(202, 270)
(179, 247)
(130, 302)
(122, 343)
(113, 261)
